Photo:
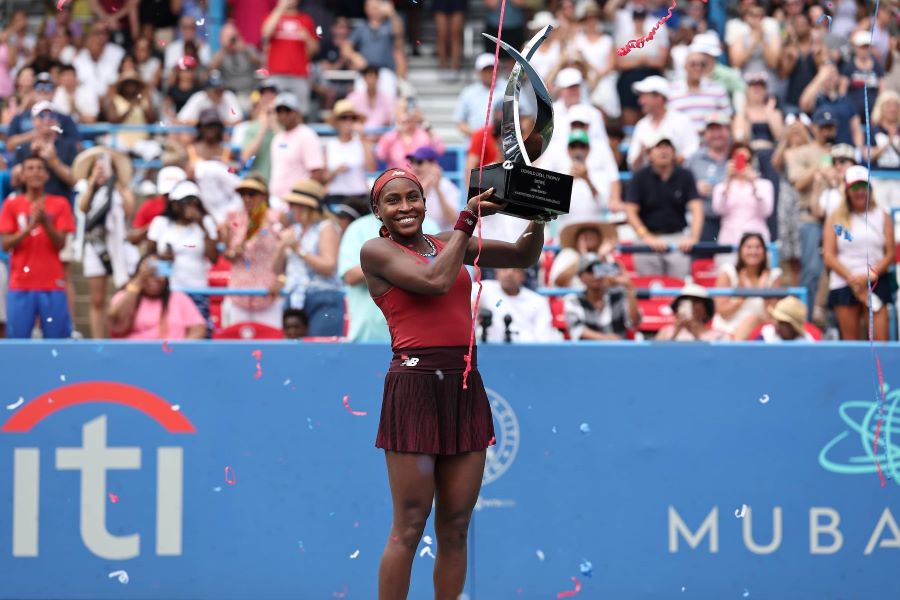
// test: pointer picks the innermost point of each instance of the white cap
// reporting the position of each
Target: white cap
(541, 20)
(657, 138)
(855, 174)
(41, 106)
(287, 100)
(484, 61)
(184, 189)
(706, 43)
(653, 84)
(568, 77)
(862, 38)
(167, 178)
(147, 188)
(581, 113)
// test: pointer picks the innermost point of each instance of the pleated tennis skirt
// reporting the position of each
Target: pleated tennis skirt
(425, 408)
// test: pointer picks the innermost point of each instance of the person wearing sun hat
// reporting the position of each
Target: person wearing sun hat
(307, 260)
(348, 156)
(694, 310)
(788, 323)
(858, 247)
(131, 105)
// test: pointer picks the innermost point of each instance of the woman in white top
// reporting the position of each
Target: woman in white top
(347, 158)
(597, 49)
(548, 53)
(858, 247)
(738, 317)
(105, 204)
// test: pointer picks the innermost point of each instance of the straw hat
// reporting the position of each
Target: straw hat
(696, 292)
(254, 183)
(84, 162)
(341, 108)
(307, 192)
(570, 231)
(128, 76)
(792, 311)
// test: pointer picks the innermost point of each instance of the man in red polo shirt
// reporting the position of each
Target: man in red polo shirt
(291, 40)
(33, 228)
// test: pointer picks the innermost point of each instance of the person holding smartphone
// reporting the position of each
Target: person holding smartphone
(694, 310)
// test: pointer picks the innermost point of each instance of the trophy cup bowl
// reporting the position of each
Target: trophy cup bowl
(529, 192)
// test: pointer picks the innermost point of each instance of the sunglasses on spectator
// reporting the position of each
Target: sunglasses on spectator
(347, 118)
(243, 193)
(419, 161)
(43, 87)
(859, 186)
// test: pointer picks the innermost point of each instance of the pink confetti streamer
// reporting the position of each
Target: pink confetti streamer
(257, 354)
(639, 42)
(570, 593)
(230, 477)
(262, 73)
(166, 348)
(355, 413)
(113, 498)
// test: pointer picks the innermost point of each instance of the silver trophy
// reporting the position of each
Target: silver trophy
(529, 192)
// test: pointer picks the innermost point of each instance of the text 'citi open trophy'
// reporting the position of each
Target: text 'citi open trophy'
(529, 192)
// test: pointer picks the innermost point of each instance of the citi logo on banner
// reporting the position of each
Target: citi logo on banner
(93, 459)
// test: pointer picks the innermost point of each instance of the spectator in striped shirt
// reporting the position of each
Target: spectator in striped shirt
(696, 95)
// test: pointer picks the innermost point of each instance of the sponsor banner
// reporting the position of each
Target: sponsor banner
(234, 470)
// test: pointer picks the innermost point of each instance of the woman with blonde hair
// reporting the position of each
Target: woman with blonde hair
(886, 144)
(858, 247)
(797, 134)
(307, 257)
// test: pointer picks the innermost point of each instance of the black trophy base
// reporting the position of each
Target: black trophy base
(528, 191)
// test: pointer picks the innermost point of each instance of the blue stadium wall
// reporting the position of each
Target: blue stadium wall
(204, 476)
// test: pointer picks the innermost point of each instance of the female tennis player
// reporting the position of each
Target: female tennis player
(434, 431)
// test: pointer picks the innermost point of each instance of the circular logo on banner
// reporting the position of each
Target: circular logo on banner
(501, 455)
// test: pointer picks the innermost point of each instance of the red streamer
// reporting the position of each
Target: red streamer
(166, 348)
(639, 42)
(487, 121)
(230, 477)
(570, 593)
(355, 413)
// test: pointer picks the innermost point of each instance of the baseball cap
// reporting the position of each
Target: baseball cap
(717, 118)
(843, 151)
(215, 80)
(580, 113)
(824, 117)
(209, 116)
(41, 106)
(756, 77)
(484, 61)
(267, 84)
(183, 190)
(855, 174)
(653, 84)
(568, 77)
(44, 81)
(287, 100)
(423, 153)
(579, 136)
(706, 43)
(168, 178)
(656, 139)
(862, 38)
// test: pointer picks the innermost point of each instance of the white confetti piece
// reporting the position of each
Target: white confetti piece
(287, 382)
(27, 269)
(553, 429)
(682, 588)
(56, 129)
(764, 399)
(200, 22)
(741, 512)
(62, 378)
(540, 555)
(585, 428)
(176, 407)
(319, 30)
(121, 575)
(427, 539)
(49, 319)
(355, 554)
(16, 404)
(54, 353)
(217, 488)
(426, 551)
(586, 567)
(746, 593)
(440, 374)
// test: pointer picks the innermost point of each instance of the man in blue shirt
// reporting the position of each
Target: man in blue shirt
(21, 128)
(50, 143)
(473, 100)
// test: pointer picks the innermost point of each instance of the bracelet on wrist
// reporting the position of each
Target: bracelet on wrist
(466, 221)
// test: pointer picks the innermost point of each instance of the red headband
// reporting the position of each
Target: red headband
(387, 177)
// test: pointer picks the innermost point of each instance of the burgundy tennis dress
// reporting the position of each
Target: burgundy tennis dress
(425, 408)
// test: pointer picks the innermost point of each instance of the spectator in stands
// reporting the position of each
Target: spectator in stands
(19, 39)
(167, 178)
(634, 21)
(738, 317)
(754, 42)
(97, 64)
(803, 165)
(296, 150)
(862, 71)
(449, 17)
(410, 132)
(513, 23)
(694, 311)
(831, 181)
(225, 102)
(22, 128)
(607, 309)
(22, 99)
(658, 118)
(760, 123)
(517, 313)
(6, 75)
(186, 236)
(442, 196)
(295, 324)
(252, 242)
(788, 323)
(62, 20)
(34, 227)
(120, 17)
(886, 145)
(209, 143)
(824, 92)
(74, 99)
(308, 256)
(743, 201)
(348, 156)
(238, 62)
(376, 105)
(865, 252)
(254, 137)
(326, 88)
(492, 146)
(148, 65)
(590, 188)
(471, 106)
(378, 41)
(696, 95)
(798, 64)
(290, 36)
(176, 50)
(708, 165)
(148, 309)
(547, 57)
(657, 199)
(131, 105)
(596, 48)
(796, 135)
(185, 87)
(578, 238)
(46, 142)
(105, 204)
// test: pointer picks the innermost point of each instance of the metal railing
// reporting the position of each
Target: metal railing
(699, 248)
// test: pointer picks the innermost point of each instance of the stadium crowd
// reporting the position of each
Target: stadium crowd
(248, 166)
